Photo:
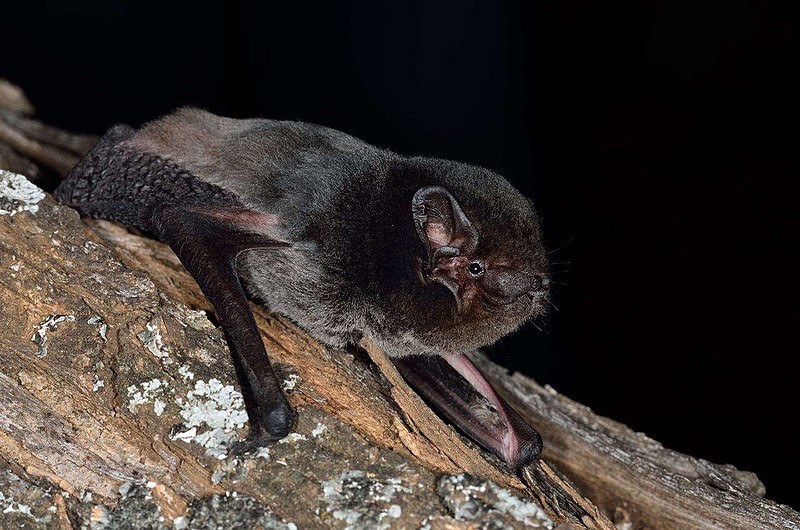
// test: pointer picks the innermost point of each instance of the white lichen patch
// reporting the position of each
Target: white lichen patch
(186, 436)
(185, 373)
(290, 382)
(292, 437)
(98, 384)
(9, 505)
(469, 498)
(102, 327)
(151, 338)
(363, 502)
(146, 393)
(227, 469)
(521, 510)
(319, 430)
(212, 412)
(17, 496)
(48, 324)
(198, 320)
(18, 194)
(124, 489)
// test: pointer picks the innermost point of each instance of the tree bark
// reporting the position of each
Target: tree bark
(117, 397)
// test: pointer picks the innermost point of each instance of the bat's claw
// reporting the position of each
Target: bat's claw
(249, 445)
(277, 424)
(253, 443)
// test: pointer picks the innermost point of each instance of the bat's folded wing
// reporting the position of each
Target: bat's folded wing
(456, 388)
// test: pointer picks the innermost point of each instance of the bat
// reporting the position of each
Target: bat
(428, 258)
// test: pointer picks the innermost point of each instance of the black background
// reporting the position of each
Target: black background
(658, 141)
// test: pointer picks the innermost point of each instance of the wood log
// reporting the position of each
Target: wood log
(109, 313)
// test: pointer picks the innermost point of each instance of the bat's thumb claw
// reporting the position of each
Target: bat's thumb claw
(248, 445)
(530, 446)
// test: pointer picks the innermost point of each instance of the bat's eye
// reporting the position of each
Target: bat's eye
(536, 283)
(475, 269)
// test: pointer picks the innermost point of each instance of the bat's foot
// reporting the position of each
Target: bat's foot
(264, 431)
(249, 445)
(279, 421)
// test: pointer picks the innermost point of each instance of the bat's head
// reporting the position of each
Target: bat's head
(480, 269)
(474, 271)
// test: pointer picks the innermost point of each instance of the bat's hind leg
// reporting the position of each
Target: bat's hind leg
(208, 240)
(207, 227)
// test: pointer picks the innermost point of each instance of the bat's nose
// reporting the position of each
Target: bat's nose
(506, 286)
(539, 282)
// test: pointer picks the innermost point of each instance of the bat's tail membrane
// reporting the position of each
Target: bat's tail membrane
(119, 182)
(79, 186)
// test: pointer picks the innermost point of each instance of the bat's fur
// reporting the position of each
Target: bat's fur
(346, 208)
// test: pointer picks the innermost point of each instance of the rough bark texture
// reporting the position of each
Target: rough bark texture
(117, 398)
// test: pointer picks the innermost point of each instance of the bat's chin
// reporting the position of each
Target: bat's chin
(524, 306)
(435, 326)
(473, 335)
(491, 322)
(521, 310)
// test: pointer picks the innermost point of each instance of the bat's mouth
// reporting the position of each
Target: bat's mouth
(455, 387)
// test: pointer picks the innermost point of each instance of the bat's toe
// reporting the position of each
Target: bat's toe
(268, 429)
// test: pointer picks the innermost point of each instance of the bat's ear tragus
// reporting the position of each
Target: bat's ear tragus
(442, 253)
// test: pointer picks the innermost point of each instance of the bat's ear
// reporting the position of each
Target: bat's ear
(441, 223)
